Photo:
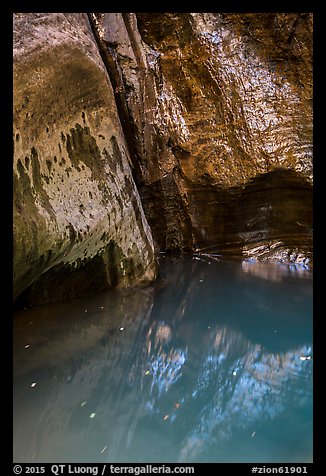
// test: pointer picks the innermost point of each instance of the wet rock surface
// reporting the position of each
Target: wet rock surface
(78, 219)
(219, 105)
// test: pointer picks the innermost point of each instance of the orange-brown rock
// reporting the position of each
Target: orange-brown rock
(219, 109)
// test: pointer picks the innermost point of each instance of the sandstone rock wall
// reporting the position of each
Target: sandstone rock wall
(220, 107)
(78, 219)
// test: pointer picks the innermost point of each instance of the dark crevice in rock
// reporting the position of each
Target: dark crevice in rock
(167, 215)
(109, 58)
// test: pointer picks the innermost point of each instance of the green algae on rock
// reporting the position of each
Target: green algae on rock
(78, 220)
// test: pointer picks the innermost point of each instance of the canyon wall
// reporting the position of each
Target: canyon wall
(220, 107)
(78, 219)
(157, 131)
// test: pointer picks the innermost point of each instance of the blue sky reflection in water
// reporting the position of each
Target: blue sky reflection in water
(212, 364)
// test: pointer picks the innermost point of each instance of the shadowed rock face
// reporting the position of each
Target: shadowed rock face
(78, 219)
(220, 107)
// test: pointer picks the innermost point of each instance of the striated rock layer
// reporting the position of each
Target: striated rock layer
(78, 219)
(217, 109)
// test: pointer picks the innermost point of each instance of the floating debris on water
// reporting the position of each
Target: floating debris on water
(200, 280)
(166, 417)
(253, 434)
(305, 357)
(121, 328)
(92, 415)
(26, 346)
(177, 405)
(102, 307)
(102, 451)
(86, 310)
(275, 331)
(83, 403)
(33, 384)
(147, 372)
(234, 373)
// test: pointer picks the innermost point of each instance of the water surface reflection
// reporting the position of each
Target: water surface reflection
(213, 363)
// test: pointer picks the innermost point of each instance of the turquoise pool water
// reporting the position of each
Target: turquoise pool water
(211, 364)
